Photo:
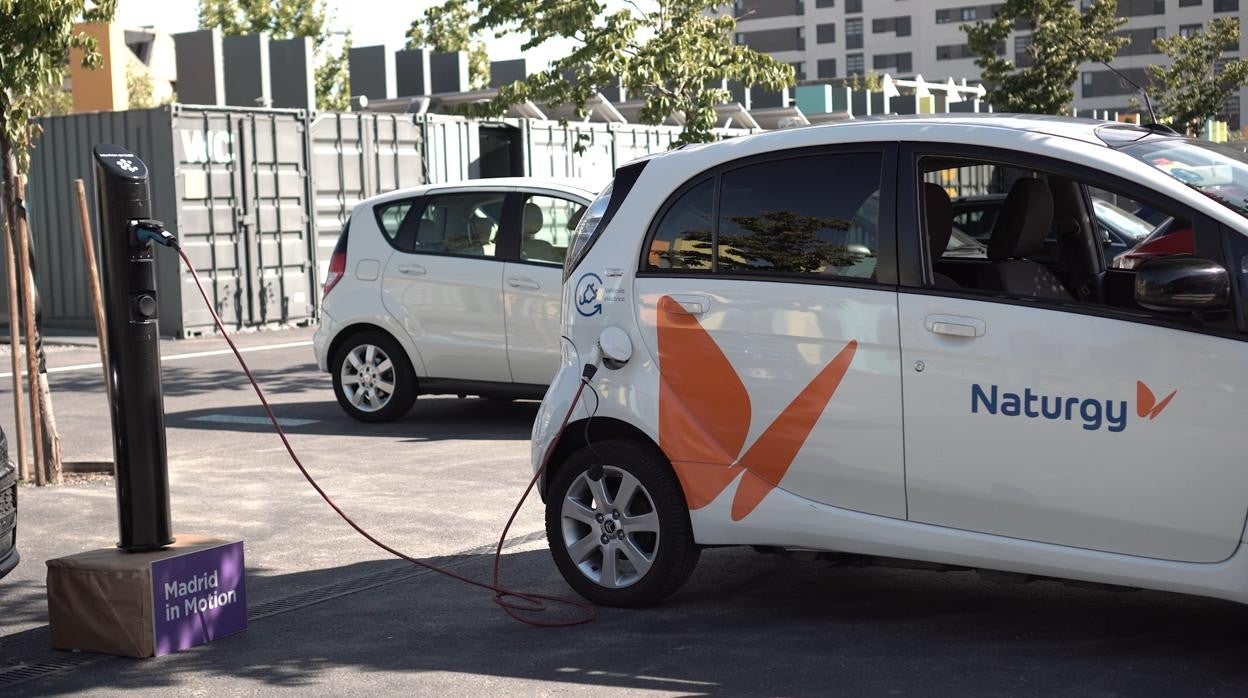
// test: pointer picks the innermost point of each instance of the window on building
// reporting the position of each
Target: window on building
(1186, 30)
(825, 3)
(799, 71)
(1140, 41)
(1022, 57)
(853, 33)
(853, 7)
(825, 33)
(1191, 3)
(854, 64)
(952, 52)
(826, 68)
(898, 25)
(892, 62)
(1226, 5)
(1137, 8)
(1104, 83)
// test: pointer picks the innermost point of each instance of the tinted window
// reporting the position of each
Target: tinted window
(809, 215)
(459, 224)
(683, 238)
(390, 217)
(547, 227)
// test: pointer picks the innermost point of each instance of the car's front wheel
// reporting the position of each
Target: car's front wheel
(617, 525)
(373, 379)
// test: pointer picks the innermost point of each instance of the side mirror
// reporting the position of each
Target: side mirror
(1182, 284)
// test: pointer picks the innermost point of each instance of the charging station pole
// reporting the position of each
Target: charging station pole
(137, 404)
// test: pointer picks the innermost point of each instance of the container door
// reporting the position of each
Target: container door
(277, 229)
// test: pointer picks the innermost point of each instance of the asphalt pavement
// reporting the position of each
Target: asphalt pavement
(333, 615)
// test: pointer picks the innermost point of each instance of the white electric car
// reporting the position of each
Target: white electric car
(787, 358)
(449, 288)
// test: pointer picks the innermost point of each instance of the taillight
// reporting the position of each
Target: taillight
(337, 261)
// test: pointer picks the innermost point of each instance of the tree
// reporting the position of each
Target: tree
(289, 19)
(1062, 37)
(448, 27)
(139, 88)
(39, 35)
(1198, 81)
(675, 55)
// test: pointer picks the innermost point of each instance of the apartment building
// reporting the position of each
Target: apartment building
(824, 39)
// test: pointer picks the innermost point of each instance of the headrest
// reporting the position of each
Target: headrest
(482, 229)
(938, 211)
(1024, 220)
(532, 218)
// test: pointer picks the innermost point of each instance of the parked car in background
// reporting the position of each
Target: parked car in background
(792, 359)
(8, 509)
(447, 288)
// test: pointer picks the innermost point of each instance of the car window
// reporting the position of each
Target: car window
(682, 239)
(546, 228)
(814, 215)
(458, 224)
(390, 217)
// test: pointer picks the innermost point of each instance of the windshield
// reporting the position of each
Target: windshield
(1217, 171)
(1127, 224)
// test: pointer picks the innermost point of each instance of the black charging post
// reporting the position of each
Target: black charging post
(130, 303)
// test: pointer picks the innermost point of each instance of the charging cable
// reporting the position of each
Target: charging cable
(516, 604)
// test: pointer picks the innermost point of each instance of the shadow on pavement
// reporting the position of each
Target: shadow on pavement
(433, 418)
(745, 624)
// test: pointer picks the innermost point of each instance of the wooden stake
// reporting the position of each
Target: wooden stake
(15, 340)
(32, 358)
(9, 179)
(93, 271)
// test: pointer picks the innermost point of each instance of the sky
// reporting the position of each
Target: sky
(370, 22)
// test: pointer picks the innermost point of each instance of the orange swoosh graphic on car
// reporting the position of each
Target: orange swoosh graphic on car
(1146, 404)
(771, 455)
(704, 415)
(704, 411)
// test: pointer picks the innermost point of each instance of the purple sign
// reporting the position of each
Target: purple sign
(198, 597)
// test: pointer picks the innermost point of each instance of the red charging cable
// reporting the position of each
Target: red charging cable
(514, 603)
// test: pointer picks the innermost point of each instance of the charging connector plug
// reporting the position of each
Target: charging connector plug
(150, 230)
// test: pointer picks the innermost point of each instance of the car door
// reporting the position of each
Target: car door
(533, 282)
(767, 290)
(1098, 426)
(443, 282)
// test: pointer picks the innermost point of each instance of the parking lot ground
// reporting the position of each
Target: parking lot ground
(333, 615)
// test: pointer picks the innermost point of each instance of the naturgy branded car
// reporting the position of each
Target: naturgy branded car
(790, 359)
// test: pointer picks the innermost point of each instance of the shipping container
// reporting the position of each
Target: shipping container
(233, 184)
(355, 156)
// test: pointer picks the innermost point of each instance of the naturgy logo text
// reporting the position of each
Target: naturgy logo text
(1093, 413)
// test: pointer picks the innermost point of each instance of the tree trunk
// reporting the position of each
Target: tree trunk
(7, 171)
(48, 434)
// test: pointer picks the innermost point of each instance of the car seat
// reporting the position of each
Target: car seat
(938, 213)
(530, 246)
(1019, 231)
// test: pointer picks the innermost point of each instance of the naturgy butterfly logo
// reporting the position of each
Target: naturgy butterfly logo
(1146, 404)
(704, 416)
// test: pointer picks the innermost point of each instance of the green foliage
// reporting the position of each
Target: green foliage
(288, 19)
(673, 55)
(871, 82)
(1062, 37)
(139, 88)
(448, 27)
(38, 35)
(1197, 83)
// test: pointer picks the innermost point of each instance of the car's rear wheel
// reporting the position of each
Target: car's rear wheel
(617, 525)
(373, 379)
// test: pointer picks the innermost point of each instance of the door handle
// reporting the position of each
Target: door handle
(956, 326)
(691, 303)
(522, 282)
(412, 269)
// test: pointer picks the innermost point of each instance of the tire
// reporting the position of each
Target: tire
(574, 531)
(377, 406)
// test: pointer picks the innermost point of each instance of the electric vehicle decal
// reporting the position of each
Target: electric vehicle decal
(586, 295)
(704, 415)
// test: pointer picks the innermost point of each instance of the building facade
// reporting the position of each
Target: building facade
(826, 39)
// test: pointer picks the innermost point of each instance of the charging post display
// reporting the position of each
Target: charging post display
(128, 264)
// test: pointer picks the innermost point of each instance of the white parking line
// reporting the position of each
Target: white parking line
(240, 419)
(176, 357)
